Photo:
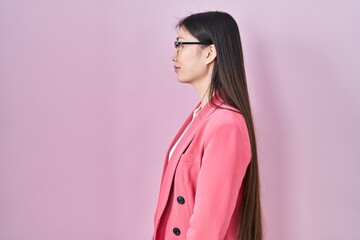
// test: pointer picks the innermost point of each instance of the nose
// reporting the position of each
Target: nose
(174, 56)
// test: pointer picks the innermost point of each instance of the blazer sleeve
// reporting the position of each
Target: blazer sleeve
(227, 154)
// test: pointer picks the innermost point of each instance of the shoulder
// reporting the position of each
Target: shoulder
(225, 118)
(226, 114)
(226, 128)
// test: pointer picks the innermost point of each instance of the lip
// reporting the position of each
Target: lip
(176, 68)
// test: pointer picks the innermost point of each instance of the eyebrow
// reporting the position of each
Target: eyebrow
(179, 38)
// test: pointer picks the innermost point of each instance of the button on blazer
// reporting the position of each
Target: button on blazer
(201, 184)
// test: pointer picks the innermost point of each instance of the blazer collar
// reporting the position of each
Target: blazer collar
(170, 165)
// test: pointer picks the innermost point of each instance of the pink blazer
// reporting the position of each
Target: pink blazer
(200, 192)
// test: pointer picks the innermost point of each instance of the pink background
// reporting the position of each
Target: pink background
(89, 103)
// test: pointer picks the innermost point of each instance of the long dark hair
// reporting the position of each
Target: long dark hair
(229, 81)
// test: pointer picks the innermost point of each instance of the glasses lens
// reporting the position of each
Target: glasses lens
(177, 44)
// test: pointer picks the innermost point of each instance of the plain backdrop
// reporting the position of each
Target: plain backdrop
(89, 103)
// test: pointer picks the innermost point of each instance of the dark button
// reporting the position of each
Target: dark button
(180, 200)
(176, 231)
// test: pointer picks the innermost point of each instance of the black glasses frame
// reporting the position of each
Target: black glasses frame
(177, 44)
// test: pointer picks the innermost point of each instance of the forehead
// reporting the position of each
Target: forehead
(183, 33)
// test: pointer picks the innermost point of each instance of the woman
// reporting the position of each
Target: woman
(210, 182)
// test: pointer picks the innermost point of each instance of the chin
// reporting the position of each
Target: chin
(182, 80)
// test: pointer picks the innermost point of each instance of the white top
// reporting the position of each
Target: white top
(196, 111)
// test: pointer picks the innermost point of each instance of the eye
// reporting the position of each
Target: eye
(177, 44)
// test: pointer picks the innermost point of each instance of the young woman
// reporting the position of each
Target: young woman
(210, 183)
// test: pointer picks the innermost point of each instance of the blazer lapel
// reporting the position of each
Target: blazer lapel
(165, 174)
(170, 166)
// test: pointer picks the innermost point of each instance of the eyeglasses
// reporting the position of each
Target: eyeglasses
(177, 44)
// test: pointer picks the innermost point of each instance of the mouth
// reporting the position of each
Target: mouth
(176, 68)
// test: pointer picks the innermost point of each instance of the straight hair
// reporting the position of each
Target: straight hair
(229, 82)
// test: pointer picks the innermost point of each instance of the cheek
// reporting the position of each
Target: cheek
(191, 66)
(189, 62)
(191, 71)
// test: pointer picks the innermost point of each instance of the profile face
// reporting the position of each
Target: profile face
(190, 65)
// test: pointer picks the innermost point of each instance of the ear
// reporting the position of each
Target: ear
(210, 54)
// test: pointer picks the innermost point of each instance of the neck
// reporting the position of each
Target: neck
(202, 91)
(202, 87)
(204, 98)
